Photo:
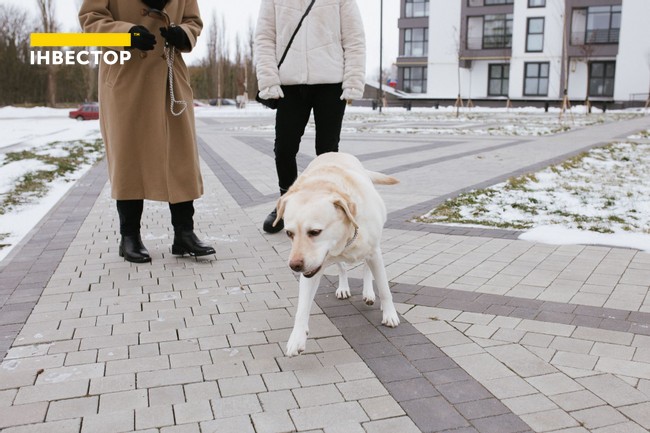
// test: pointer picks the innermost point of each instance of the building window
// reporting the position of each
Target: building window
(536, 79)
(536, 3)
(415, 79)
(416, 8)
(596, 25)
(475, 3)
(601, 78)
(497, 31)
(603, 24)
(498, 80)
(416, 42)
(489, 32)
(535, 35)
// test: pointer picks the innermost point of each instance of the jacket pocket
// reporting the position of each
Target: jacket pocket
(112, 74)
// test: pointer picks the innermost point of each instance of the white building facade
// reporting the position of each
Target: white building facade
(527, 50)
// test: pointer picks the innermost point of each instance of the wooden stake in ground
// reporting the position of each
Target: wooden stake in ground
(566, 105)
(458, 104)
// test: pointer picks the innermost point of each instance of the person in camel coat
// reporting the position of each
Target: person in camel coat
(151, 148)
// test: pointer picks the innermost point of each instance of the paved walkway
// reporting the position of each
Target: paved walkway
(498, 335)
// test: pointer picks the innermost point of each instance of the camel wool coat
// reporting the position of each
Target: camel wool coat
(151, 153)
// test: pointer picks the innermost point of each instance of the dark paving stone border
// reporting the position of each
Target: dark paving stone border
(30, 265)
(237, 185)
(433, 390)
(545, 311)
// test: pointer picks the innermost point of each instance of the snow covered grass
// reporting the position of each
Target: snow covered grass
(475, 121)
(42, 154)
(30, 172)
(28, 176)
(604, 190)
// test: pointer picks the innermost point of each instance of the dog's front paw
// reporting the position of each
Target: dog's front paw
(369, 299)
(297, 342)
(390, 317)
(343, 293)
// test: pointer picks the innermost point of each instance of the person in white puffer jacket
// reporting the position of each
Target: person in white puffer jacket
(323, 69)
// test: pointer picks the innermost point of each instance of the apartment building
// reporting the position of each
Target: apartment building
(526, 50)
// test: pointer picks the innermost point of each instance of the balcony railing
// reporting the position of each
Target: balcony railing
(490, 42)
(602, 36)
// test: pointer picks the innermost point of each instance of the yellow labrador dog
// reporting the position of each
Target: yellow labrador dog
(334, 215)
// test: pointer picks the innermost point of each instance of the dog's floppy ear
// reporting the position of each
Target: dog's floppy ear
(348, 207)
(282, 201)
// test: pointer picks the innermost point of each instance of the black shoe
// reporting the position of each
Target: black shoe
(133, 250)
(186, 242)
(268, 223)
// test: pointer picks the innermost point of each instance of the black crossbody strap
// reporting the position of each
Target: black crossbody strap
(286, 50)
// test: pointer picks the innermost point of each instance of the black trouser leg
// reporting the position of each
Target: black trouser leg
(290, 121)
(328, 116)
(130, 213)
(182, 215)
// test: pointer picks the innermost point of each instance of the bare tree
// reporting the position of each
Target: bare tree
(459, 49)
(647, 101)
(90, 70)
(212, 53)
(587, 50)
(218, 52)
(14, 46)
(49, 25)
(241, 71)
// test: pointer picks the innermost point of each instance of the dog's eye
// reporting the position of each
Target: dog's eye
(313, 233)
(290, 234)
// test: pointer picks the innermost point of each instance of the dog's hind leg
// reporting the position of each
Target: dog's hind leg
(368, 292)
(343, 291)
(389, 313)
(307, 291)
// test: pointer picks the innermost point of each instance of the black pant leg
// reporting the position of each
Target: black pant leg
(328, 116)
(182, 215)
(130, 213)
(290, 121)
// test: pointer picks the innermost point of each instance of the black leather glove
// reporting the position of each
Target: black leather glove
(141, 38)
(176, 37)
(155, 4)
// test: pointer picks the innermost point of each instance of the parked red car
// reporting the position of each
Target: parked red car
(86, 112)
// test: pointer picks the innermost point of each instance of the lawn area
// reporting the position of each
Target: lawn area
(605, 190)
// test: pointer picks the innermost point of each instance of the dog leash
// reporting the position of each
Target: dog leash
(169, 56)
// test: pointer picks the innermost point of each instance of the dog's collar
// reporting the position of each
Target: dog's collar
(354, 237)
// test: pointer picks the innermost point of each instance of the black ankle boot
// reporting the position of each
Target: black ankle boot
(268, 222)
(186, 242)
(133, 250)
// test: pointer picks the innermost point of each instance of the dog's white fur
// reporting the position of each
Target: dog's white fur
(334, 196)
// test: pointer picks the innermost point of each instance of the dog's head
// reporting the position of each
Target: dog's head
(318, 226)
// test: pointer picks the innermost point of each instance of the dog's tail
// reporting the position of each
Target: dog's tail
(381, 178)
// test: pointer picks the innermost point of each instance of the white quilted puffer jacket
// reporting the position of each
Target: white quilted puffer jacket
(330, 46)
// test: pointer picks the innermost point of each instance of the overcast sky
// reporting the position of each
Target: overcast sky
(238, 14)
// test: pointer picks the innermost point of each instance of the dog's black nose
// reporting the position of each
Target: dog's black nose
(297, 265)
